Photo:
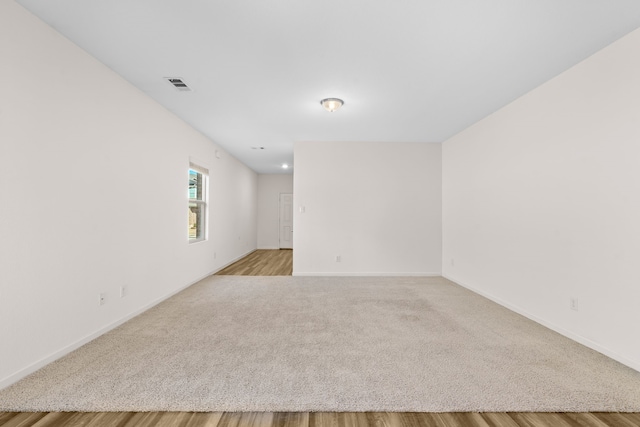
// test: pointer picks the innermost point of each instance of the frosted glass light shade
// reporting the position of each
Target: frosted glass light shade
(331, 104)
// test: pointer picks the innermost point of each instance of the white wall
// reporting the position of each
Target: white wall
(93, 187)
(377, 205)
(541, 203)
(269, 189)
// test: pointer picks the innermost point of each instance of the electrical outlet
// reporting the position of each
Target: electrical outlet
(338, 258)
(452, 262)
(214, 255)
(573, 303)
(124, 291)
(102, 298)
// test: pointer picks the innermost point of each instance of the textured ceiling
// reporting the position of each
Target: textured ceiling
(408, 71)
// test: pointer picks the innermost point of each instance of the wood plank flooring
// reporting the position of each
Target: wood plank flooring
(317, 419)
(262, 262)
(279, 263)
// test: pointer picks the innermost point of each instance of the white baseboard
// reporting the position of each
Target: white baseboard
(5, 382)
(366, 274)
(13, 378)
(236, 259)
(571, 335)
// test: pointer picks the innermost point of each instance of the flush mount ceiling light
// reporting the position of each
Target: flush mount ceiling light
(285, 166)
(331, 104)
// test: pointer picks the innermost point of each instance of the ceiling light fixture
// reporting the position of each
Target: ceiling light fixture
(331, 104)
(285, 166)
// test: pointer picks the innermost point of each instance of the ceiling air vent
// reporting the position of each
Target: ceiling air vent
(178, 84)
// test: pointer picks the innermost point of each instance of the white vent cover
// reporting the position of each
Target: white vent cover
(178, 83)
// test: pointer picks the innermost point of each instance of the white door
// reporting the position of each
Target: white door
(286, 221)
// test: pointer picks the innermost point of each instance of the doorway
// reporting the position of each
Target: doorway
(286, 221)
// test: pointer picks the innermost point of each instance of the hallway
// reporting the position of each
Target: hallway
(262, 262)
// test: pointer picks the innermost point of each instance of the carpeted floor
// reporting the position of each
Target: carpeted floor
(234, 343)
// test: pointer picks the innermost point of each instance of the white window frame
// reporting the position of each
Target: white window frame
(203, 203)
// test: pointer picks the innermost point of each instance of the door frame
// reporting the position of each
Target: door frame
(280, 225)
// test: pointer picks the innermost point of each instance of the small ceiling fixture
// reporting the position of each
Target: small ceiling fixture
(331, 104)
(285, 166)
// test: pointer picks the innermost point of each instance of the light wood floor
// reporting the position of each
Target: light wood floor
(263, 262)
(279, 263)
(317, 419)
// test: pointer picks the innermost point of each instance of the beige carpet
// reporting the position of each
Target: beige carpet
(234, 343)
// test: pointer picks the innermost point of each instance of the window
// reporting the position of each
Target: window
(197, 203)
